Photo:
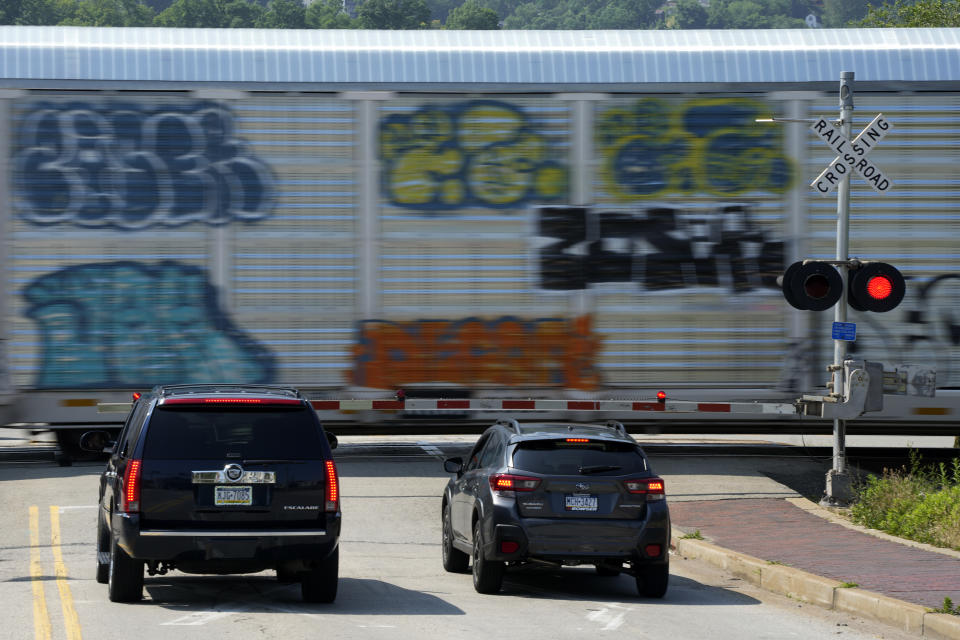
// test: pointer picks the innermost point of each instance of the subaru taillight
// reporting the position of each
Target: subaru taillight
(653, 488)
(130, 499)
(332, 502)
(506, 483)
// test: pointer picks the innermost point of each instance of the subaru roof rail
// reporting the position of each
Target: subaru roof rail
(613, 424)
(511, 423)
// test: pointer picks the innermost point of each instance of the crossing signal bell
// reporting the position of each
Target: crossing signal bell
(817, 286)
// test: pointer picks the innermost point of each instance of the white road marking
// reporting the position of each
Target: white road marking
(199, 618)
(611, 620)
(80, 506)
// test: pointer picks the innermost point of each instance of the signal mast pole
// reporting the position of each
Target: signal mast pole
(839, 490)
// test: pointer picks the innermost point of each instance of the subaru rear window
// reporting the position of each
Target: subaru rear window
(242, 433)
(595, 457)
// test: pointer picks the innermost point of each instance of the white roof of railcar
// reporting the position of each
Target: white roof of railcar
(461, 60)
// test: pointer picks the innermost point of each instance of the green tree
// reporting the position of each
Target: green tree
(242, 14)
(751, 14)
(109, 13)
(624, 14)
(283, 14)
(690, 14)
(394, 14)
(206, 14)
(471, 15)
(843, 13)
(328, 14)
(923, 13)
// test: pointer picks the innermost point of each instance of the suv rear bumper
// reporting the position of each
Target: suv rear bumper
(246, 550)
(582, 539)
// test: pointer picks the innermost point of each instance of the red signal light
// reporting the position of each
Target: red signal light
(661, 396)
(879, 287)
(136, 396)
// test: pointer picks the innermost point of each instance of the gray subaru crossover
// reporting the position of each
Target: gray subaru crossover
(560, 494)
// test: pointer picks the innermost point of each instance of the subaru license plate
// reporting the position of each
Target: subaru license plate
(580, 502)
(223, 495)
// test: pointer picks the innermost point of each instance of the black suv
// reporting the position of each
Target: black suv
(560, 494)
(218, 479)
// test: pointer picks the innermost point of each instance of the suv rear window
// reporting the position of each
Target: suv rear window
(597, 457)
(224, 433)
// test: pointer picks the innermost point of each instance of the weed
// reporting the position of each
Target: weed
(848, 585)
(692, 536)
(948, 607)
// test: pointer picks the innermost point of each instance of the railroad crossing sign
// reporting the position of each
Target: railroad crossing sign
(853, 155)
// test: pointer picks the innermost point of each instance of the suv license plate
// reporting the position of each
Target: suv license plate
(232, 495)
(577, 502)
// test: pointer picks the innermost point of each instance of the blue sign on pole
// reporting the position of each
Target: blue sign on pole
(845, 331)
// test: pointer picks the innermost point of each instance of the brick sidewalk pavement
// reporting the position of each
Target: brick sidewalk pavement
(777, 531)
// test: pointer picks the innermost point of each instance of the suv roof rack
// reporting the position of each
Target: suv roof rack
(173, 389)
(614, 424)
(511, 423)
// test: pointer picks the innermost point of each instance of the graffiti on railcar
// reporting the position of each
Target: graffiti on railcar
(135, 165)
(656, 148)
(657, 249)
(130, 324)
(473, 154)
(505, 351)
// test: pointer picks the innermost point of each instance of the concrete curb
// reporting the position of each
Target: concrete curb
(824, 592)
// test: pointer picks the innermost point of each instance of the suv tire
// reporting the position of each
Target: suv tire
(487, 574)
(103, 550)
(125, 579)
(320, 584)
(454, 560)
(652, 580)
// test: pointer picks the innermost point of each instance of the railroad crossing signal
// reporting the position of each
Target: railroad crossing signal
(853, 155)
(816, 286)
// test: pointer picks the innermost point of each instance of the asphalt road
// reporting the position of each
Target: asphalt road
(392, 584)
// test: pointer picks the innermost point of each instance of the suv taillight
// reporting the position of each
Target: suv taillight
(652, 487)
(130, 500)
(506, 483)
(332, 502)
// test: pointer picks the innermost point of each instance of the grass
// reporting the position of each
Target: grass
(919, 502)
(848, 585)
(696, 535)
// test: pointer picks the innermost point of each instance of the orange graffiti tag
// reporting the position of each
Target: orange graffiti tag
(506, 351)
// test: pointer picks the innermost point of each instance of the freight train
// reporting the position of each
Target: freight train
(485, 214)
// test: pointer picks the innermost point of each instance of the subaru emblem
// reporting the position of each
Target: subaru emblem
(583, 486)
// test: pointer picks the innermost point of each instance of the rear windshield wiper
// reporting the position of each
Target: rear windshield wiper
(597, 468)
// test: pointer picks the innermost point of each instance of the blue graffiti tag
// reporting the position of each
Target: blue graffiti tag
(117, 324)
(132, 166)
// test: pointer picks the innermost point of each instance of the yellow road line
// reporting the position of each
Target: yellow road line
(66, 598)
(41, 617)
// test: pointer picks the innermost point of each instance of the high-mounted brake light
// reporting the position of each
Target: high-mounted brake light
(506, 483)
(130, 498)
(266, 402)
(653, 488)
(578, 440)
(332, 502)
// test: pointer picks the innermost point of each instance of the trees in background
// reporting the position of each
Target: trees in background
(480, 14)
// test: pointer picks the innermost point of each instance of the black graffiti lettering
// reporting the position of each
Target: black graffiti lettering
(559, 267)
(659, 249)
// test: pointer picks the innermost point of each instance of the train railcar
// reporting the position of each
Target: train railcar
(522, 214)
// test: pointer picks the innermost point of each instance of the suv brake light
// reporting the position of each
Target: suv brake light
(130, 500)
(506, 483)
(652, 487)
(232, 400)
(332, 502)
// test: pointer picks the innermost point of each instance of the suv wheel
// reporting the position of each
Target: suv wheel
(125, 576)
(487, 574)
(454, 560)
(103, 549)
(320, 584)
(652, 580)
